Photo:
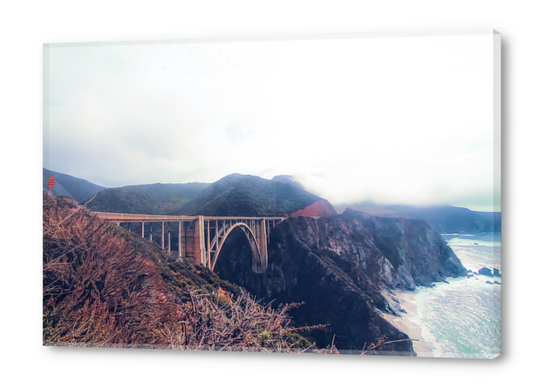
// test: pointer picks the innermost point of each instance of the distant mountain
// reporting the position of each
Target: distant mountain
(154, 198)
(75, 188)
(365, 207)
(249, 195)
(443, 219)
(451, 219)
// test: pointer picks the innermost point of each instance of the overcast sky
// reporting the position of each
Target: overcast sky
(390, 119)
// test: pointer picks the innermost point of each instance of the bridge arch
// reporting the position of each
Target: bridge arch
(194, 234)
(259, 259)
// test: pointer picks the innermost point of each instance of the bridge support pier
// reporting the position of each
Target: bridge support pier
(168, 239)
(199, 241)
(263, 246)
(162, 235)
(180, 239)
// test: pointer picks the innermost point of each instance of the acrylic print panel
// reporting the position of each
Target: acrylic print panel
(318, 194)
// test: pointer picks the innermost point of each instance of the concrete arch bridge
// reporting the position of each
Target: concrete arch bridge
(201, 238)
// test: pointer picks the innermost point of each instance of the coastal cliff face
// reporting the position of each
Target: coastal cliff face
(339, 267)
(396, 252)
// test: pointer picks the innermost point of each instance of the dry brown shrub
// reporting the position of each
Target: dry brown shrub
(98, 291)
(238, 325)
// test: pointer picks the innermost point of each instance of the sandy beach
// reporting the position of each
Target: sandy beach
(405, 322)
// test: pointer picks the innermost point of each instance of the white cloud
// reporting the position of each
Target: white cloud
(404, 119)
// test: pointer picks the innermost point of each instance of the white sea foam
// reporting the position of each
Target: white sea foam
(462, 318)
(482, 239)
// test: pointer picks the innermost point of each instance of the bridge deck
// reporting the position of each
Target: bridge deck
(159, 218)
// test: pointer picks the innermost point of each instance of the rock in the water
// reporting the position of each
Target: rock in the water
(496, 272)
(485, 271)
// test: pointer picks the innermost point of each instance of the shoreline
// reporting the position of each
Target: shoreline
(404, 322)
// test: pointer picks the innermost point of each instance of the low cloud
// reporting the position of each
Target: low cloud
(390, 120)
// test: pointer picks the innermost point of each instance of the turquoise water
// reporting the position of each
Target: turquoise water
(463, 318)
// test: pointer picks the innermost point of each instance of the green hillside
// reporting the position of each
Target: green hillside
(155, 198)
(248, 195)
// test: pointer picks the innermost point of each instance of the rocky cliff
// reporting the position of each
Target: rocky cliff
(340, 266)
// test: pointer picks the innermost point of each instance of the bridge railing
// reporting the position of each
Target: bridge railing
(149, 217)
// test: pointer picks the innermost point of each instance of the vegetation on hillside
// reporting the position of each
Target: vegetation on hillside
(233, 195)
(248, 195)
(145, 199)
(102, 286)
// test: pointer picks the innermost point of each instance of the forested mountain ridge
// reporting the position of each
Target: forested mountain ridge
(249, 195)
(157, 198)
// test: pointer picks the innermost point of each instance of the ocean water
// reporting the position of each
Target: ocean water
(463, 318)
